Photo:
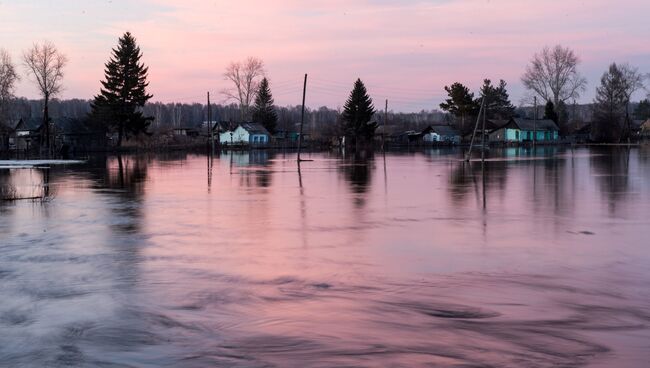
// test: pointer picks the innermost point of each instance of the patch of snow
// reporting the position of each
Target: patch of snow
(30, 164)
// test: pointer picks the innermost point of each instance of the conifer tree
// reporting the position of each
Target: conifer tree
(497, 101)
(263, 110)
(357, 113)
(461, 104)
(609, 106)
(119, 104)
(549, 112)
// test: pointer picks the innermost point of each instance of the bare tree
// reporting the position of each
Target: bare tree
(8, 78)
(552, 74)
(45, 63)
(246, 77)
(632, 80)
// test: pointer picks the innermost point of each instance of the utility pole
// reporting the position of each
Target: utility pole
(535, 123)
(483, 132)
(471, 144)
(383, 135)
(210, 127)
(302, 116)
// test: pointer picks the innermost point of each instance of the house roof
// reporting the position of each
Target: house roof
(254, 128)
(29, 124)
(222, 126)
(526, 124)
(646, 125)
(70, 125)
(444, 130)
(585, 129)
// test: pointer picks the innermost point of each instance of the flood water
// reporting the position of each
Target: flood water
(535, 259)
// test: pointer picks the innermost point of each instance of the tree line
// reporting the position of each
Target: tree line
(123, 106)
(553, 79)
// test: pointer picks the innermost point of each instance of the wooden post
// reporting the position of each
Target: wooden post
(383, 135)
(478, 118)
(210, 126)
(483, 134)
(302, 116)
(535, 124)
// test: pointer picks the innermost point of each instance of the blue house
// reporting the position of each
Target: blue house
(518, 130)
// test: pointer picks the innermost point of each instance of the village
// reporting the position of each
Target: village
(72, 136)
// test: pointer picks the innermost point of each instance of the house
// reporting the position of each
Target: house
(525, 130)
(582, 135)
(5, 134)
(440, 134)
(186, 132)
(287, 136)
(645, 129)
(75, 135)
(406, 138)
(26, 134)
(246, 134)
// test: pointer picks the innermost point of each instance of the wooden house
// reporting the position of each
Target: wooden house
(518, 130)
(250, 134)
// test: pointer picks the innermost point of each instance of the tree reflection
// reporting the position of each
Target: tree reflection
(256, 172)
(357, 169)
(127, 176)
(611, 166)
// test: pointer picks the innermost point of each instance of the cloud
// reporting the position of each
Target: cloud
(405, 50)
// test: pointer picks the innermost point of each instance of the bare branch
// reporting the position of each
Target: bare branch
(45, 64)
(245, 77)
(8, 78)
(553, 75)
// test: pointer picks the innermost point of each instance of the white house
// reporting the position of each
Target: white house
(431, 137)
(246, 134)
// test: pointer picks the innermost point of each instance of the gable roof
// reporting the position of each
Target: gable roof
(444, 130)
(539, 125)
(254, 128)
(29, 124)
(70, 126)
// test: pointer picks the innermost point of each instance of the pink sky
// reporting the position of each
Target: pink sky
(405, 50)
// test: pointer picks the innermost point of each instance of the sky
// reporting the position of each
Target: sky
(405, 51)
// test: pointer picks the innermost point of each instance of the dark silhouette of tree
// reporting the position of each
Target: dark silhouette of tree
(610, 106)
(497, 100)
(8, 79)
(553, 75)
(461, 104)
(357, 113)
(642, 111)
(123, 95)
(263, 110)
(549, 112)
(45, 63)
(245, 77)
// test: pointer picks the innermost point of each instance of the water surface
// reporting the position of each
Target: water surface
(533, 259)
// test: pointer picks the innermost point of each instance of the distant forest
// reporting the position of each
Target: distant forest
(183, 115)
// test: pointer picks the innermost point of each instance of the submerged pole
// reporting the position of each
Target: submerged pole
(302, 116)
(483, 135)
(478, 118)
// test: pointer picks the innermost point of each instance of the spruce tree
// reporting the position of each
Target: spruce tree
(497, 101)
(549, 112)
(642, 111)
(119, 104)
(263, 110)
(461, 104)
(357, 113)
(609, 106)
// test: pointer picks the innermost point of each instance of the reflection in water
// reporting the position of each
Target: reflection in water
(25, 184)
(534, 259)
(357, 168)
(611, 168)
